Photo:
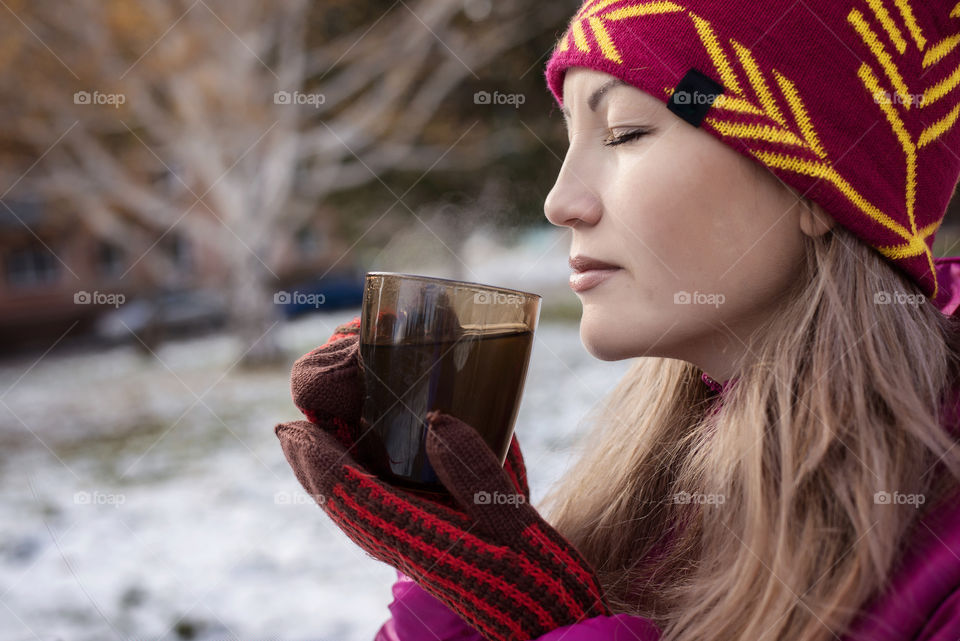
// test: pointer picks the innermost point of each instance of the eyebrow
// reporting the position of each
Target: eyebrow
(594, 100)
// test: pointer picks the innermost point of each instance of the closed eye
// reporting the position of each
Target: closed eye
(613, 141)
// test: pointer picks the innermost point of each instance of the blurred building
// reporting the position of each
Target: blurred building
(56, 274)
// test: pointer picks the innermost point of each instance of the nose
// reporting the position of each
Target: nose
(572, 201)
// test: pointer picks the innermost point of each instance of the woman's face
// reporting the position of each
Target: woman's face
(704, 238)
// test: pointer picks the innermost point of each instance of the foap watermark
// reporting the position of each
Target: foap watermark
(898, 298)
(497, 98)
(298, 498)
(683, 97)
(498, 498)
(298, 98)
(99, 498)
(496, 298)
(897, 498)
(887, 98)
(686, 498)
(98, 298)
(298, 298)
(98, 98)
(698, 298)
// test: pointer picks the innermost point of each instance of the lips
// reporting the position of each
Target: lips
(581, 263)
(589, 272)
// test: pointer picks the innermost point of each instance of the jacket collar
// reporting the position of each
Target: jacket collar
(948, 284)
(713, 385)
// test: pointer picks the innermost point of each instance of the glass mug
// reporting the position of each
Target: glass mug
(437, 344)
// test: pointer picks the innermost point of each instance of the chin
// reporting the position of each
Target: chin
(603, 344)
(627, 334)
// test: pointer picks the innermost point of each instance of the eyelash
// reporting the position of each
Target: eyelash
(613, 141)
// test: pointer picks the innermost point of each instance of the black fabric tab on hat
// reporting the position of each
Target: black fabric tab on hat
(693, 96)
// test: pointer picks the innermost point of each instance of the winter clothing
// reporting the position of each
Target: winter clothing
(326, 383)
(854, 104)
(492, 559)
(714, 386)
(482, 550)
(920, 603)
(417, 616)
(948, 270)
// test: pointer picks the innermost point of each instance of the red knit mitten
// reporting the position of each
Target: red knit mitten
(488, 555)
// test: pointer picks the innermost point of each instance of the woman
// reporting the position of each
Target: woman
(753, 193)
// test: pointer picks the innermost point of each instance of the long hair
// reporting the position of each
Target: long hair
(761, 514)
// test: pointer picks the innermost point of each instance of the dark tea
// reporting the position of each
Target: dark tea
(478, 378)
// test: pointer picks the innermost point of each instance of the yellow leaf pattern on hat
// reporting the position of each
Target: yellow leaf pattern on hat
(589, 15)
(894, 110)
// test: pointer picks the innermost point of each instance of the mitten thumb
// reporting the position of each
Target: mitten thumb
(471, 472)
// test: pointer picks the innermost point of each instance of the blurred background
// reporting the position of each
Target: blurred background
(190, 194)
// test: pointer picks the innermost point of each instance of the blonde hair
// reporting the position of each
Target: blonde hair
(759, 520)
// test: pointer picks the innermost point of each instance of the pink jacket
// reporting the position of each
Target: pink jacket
(921, 602)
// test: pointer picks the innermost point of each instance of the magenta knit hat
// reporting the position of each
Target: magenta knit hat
(852, 103)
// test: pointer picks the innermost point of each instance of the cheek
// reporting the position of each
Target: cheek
(707, 243)
(668, 227)
(705, 222)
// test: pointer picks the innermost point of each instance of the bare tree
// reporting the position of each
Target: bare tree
(229, 120)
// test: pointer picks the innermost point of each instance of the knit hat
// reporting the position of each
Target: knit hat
(853, 103)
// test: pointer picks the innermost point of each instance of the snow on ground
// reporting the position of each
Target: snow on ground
(148, 498)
